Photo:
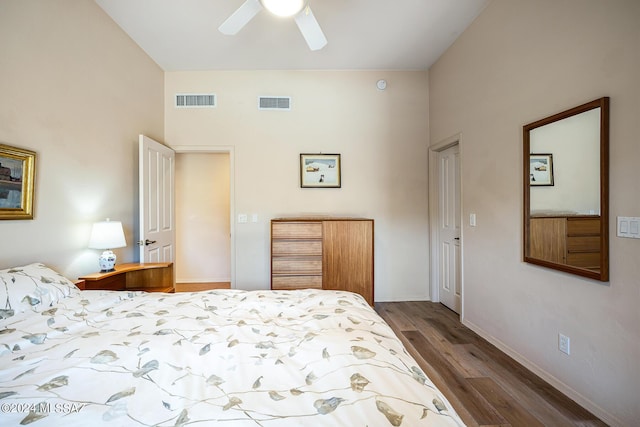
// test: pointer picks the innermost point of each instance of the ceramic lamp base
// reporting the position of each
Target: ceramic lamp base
(107, 261)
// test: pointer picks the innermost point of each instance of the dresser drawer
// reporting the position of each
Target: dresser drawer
(296, 282)
(296, 247)
(296, 230)
(583, 226)
(584, 259)
(113, 283)
(583, 244)
(296, 265)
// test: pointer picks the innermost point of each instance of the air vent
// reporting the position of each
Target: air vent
(274, 103)
(195, 100)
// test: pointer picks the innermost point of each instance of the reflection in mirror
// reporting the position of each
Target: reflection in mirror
(565, 190)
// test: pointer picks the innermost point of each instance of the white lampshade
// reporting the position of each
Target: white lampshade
(284, 8)
(107, 235)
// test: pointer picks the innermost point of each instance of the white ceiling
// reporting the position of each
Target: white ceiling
(362, 34)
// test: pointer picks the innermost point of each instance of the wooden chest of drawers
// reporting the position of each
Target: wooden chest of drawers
(323, 253)
(571, 240)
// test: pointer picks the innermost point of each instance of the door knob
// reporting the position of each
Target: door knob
(146, 242)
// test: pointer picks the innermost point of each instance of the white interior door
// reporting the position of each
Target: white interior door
(449, 227)
(156, 205)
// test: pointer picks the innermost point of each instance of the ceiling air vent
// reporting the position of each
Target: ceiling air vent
(274, 103)
(195, 100)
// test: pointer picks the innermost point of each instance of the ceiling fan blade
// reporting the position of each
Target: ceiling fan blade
(310, 29)
(240, 17)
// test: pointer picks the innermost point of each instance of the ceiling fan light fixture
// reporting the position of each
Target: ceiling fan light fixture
(284, 8)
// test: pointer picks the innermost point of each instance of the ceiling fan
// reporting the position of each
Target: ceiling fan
(303, 16)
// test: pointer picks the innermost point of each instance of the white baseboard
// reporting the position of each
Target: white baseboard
(403, 298)
(562, 387)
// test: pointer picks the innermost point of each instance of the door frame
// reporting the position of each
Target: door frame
(220, 149)
(434, 217)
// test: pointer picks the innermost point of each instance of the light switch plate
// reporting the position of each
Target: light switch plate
(628, 226)
(564, 344)
(472, 220)
(242, 218)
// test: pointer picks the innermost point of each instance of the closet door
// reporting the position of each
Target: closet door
(347, 256)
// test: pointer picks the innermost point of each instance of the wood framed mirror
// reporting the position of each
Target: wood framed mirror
(566, 190)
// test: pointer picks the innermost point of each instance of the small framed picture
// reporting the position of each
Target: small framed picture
(540, 169)
(17, 174)
(320, 170)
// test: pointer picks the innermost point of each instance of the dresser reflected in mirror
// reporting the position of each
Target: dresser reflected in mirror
(566, 180)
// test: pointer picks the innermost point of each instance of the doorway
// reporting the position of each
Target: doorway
(445, 224)
(204, 212)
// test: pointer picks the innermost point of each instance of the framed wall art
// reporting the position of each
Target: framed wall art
(17, 176)
(540, 169)
(320, 170)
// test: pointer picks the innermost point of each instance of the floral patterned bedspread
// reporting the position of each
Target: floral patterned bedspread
(225, 357)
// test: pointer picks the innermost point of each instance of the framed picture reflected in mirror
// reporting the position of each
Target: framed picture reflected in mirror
(541, 169)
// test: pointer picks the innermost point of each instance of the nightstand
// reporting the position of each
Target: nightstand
(150, 277)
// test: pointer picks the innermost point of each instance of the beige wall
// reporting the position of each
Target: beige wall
(77, 91)
(518, 62)
(381, 135)
(203, 251)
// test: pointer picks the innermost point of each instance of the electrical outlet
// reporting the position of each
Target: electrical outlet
(564, 344)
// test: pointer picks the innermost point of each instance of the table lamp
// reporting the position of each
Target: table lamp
(107, 235)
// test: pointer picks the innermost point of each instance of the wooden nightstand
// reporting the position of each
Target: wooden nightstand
(150, 277)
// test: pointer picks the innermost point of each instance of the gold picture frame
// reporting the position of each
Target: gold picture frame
(17, 179)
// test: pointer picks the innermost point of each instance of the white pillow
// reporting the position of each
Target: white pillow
(32, 287)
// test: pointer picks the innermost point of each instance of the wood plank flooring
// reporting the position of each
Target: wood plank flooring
(197, 287)
(485, 386)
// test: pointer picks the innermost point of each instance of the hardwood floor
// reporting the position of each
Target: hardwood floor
(196, 287)
(486, 387)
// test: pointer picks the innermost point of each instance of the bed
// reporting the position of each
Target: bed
(227, 357)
